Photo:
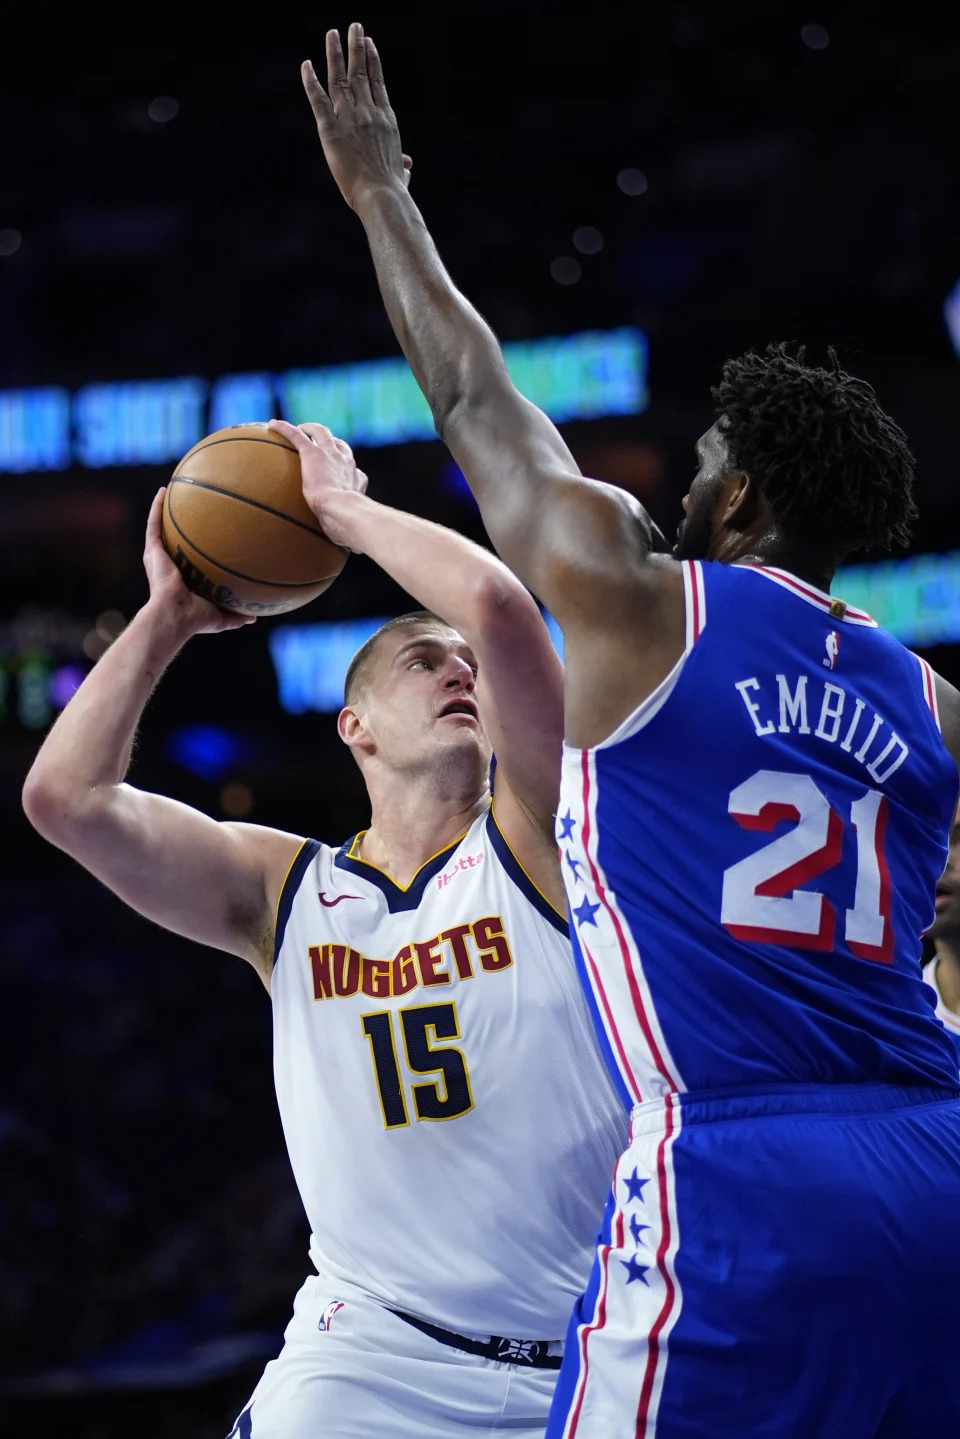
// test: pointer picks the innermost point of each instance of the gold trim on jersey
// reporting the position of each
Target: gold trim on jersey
(276, 913)
(359, 859)
(526, 874)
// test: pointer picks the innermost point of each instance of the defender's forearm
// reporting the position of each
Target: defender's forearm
(449, 346)
(91, 743)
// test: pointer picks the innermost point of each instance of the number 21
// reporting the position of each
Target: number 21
(761, 900)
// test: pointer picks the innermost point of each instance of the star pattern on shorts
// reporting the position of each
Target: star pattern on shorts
(574, 865)
(586, 912)
(635, 1270)
(636, 1229)
(567, 825)
(634, 1186)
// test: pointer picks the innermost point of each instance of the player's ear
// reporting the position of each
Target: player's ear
(740, 499)
(352, 730)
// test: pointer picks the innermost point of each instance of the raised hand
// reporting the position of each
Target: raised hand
(332, 484)
(167, 586)
(358, 129)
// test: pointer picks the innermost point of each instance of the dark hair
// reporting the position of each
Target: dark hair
(834, 468)
(357, 669)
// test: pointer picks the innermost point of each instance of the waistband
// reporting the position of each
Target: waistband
(768, 1101)
(531, 1353)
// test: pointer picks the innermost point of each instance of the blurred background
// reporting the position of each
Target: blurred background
(629, 195)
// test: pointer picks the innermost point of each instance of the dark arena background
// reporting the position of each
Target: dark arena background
(629, 196)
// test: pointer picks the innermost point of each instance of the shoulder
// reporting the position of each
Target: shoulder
(946, 708)
(275, 854)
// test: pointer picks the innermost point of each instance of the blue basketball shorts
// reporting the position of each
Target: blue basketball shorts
(775, 1265)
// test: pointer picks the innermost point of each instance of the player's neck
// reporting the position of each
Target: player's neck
(411, 822)
(948, 974)
(774, 549)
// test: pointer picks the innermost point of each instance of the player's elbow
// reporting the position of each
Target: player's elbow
(446, 402)
(52, 805)
(500, 603)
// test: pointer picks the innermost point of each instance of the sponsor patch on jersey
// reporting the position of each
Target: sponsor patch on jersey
(326, 1318)
(468, 861)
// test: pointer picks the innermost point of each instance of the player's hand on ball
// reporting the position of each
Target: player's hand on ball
(332, 484)
(358, 129)
(198, 615)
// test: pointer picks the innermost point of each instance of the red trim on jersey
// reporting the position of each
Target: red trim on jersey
(638, 1005)
(929, 690)
(653, 1338)
(616, 1242)
(598, 986)
(698, 600)
(817, 597)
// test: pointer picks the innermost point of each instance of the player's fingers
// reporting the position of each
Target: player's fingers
(289, 432)
(155, 518)
(378, 89)
(317, 434)
(319, 99)
(363, 482)
(357, 65)
(337, 83)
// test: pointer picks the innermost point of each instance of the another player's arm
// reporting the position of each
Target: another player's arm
(520, 674)
(563, 535)
(948, 706)
(584, 548)
(216, 883)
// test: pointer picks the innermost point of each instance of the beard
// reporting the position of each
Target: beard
(947, 924)
(695, 536)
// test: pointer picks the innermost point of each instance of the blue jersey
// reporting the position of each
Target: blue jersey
(751, 858)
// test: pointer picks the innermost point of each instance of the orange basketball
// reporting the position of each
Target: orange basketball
(238, 528)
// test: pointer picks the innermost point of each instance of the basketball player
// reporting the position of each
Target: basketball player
(450, 1123)
(943, 970)
(758, 785)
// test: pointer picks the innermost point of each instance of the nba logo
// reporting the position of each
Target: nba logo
(833, 649)
(326, 1318)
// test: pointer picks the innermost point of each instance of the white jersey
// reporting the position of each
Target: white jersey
(450, 1123)
(947, 1017)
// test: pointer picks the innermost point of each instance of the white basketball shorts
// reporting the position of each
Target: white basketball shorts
(349, 1369)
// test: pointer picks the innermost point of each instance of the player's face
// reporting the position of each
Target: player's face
(947, 921)
(421, 707)
(695, 534)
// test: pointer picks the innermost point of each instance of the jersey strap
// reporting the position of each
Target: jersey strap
(695, 600)
(516, 871)
(695, 609)
(298, 868)
(929, 688)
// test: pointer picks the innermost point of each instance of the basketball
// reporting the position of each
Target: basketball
(237, 527)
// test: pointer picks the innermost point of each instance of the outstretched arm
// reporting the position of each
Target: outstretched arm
(574, 542)
(217, 883)
(520, 678)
